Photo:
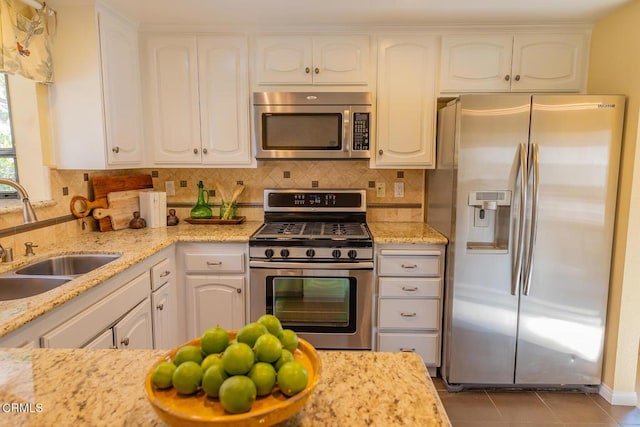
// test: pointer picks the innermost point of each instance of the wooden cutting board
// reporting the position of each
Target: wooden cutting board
(102, 185)
(122, 205)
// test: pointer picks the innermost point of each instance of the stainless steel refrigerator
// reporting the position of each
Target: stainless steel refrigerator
(525, 190)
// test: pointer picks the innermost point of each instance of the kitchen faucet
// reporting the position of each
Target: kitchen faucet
(28, 214)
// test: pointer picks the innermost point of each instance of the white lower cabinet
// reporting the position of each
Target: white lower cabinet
(215, 282)
(117, 313)
(410, 300)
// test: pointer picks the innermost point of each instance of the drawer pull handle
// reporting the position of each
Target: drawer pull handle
(165, 273)
(214, 262)
(409, 266)
(125, 341)
(407, 314)
(408, 350)
(409, 288)
(160, 307)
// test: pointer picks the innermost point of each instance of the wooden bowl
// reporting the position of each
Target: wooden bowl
(200, 410)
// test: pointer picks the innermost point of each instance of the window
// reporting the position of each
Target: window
(8, 160)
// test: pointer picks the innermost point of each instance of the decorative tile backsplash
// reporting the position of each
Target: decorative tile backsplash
(269, 174)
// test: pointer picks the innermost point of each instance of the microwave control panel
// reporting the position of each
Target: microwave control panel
(360, 131)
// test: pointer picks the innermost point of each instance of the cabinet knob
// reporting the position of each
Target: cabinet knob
(160, 307)
(195, 151)
(204, 151)
(165, 273)
(125, 341)
(317, 70)
(380, 152)
(507, 78)
(408, 314)
(517, 77)
(238, 290)
(116, 150)
(307, 70)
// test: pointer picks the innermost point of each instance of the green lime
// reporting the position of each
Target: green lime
(250, 332)
(289, 340)
(187, 377)
(188, 352)
(237, 359)
(212, 379)
(267, 348)
(214, 340)
(292, 378)
(162, 375)
(237, 394)
(210, 360)
(263, 376)
(285, 357)
(272, 323)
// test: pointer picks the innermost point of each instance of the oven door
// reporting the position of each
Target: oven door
(329, 307)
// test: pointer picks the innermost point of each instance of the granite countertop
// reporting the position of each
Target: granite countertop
(137, 245)
(49, 387)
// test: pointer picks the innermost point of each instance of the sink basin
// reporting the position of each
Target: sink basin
(14, 287)
(68, 265)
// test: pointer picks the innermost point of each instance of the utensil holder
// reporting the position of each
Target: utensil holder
(228, 210)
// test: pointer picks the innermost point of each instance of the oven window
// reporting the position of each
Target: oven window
(300, 131)
(314, 304)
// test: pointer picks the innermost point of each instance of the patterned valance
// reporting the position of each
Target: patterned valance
(24, 40)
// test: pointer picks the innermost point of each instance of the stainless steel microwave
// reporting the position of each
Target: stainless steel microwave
(312, 125)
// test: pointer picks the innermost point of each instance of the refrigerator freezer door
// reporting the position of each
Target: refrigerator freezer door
(562, 319)
(482, 313)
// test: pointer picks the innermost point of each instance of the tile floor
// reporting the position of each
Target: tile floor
(533, 409)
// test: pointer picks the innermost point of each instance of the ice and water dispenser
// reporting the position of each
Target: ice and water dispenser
(489, 214)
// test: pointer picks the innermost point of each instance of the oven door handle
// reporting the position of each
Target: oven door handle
(360, 265)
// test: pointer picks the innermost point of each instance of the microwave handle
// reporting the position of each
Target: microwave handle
(346, 130)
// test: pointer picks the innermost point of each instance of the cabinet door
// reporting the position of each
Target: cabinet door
(478, 63)
(549, 62)
(171, 99)
(104, 340)
(224, 100)
(214, 301)
(341, 60)
(134, 331)
(164, 306)
(406, 102)
(283, 60)
(121, 90)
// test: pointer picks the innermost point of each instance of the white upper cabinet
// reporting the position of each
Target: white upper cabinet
(407, 69)
(312, 60)
(96, 98)
(533, 62)
(197, 99)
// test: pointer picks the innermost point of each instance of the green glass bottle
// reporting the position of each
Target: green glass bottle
(202, 210)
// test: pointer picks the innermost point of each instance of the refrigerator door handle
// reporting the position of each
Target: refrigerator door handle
(535, 162)
(519, 243)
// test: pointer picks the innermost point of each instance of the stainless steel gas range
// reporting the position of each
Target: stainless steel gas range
(311, 265)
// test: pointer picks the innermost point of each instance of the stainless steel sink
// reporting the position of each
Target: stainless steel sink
(68, 265)
(14, 287)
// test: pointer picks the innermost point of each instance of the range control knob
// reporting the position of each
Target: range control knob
(352, 254)
(284, 253)
(336, 253)
(268, 253)
(311, 253)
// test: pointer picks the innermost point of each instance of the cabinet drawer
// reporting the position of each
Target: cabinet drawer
(409, 313)
(214, 262)
(81, 328)
(161, 273)
(409, 287)
(426, 345)
(390, 264)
